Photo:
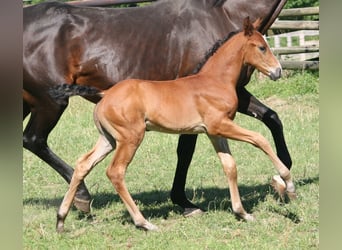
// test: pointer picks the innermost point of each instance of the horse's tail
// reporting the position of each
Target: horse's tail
(66, 90)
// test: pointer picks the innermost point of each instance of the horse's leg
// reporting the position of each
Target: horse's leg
(251, 106)
(229, 167)
(116, 173)
(185, 150)
(84, 165)
(26, 109)
(44, 116)
(231, 130)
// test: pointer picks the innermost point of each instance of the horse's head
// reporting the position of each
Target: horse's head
(257, 51)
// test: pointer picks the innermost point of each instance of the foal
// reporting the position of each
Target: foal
(201, 103)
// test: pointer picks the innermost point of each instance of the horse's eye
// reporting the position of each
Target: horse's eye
(262, 48)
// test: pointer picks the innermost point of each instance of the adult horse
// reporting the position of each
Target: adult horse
(99, 47)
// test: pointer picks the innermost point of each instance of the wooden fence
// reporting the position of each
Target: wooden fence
(299, 48)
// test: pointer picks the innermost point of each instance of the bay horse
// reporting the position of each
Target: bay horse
(205, 102)
(100, 47)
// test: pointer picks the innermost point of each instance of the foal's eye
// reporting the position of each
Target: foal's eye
(262, 48)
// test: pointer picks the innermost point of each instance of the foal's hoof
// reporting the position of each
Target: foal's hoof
(60, 230)
(189, 212)
(148, 226)
(60, 227)
(82, 205)
(245, 216)
(279, 186)
(292, 195)
(248, 217)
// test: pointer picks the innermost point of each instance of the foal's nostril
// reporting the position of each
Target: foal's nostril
(276, 74)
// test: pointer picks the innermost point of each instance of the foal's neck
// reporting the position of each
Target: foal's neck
(225, 65)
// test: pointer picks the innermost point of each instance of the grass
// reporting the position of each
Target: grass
(149, 179)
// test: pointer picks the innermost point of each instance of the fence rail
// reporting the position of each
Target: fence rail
(295, 25)
(299, 48)
(308, 11)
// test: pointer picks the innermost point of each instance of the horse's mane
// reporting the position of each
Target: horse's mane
(212, 51)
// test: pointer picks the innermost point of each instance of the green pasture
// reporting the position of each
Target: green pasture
(149, 179)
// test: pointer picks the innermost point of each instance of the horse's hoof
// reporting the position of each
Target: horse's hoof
(82, 205)
(279, 186)
(189, 212)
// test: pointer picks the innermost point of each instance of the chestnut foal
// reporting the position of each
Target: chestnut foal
(202, 103)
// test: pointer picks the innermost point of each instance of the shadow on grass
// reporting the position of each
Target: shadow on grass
(157, 204)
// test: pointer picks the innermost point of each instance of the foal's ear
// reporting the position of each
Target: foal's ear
(248, 27)
(257, 23)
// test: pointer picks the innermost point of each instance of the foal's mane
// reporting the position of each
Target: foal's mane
(212, 51)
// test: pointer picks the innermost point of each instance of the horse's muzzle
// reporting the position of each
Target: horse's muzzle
(275, 74)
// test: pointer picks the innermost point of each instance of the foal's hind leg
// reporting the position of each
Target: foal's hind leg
(45, 113)
(229, 167)
(116, 173)
(84, 165)
(231, 130)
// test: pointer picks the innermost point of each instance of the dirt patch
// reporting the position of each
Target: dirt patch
(274, 101)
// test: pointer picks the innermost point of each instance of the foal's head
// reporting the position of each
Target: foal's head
(258, 53)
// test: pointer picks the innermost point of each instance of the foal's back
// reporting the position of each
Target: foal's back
(174, 106)
(166, 106)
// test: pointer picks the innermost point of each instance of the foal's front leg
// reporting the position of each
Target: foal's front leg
(229, 167)
(230, 130)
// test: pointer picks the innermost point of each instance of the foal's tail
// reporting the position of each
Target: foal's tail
(66, 90)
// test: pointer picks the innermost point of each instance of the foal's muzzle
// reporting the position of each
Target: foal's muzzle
(275, 74)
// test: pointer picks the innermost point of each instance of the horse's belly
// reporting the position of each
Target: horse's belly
(172, 129)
